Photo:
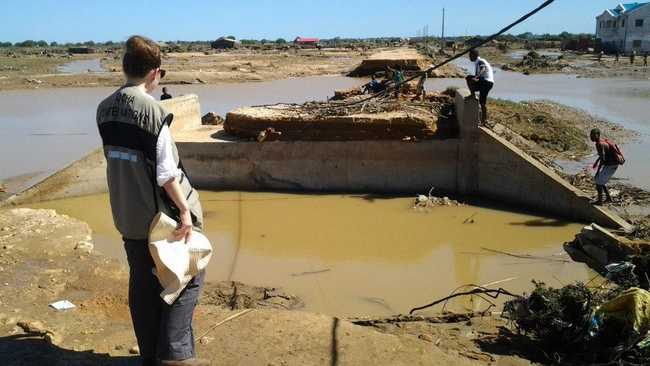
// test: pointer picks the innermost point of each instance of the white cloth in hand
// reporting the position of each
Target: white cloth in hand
(176, 262)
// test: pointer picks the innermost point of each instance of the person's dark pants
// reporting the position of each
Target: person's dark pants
(481, 86)
(163, 331)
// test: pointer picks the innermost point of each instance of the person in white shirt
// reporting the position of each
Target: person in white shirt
(481, 81)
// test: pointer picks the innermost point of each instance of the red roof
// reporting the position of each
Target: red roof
(306, 40)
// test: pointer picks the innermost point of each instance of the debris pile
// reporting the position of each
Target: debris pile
(624, 261)
(236, 295)
(623, 194)
(211, 118)
(352, 119)
(423, 202)
(579, 325)
(533, 61)
(404, 58)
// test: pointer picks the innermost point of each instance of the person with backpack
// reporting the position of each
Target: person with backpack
(609, 158)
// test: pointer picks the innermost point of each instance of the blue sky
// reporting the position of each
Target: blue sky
(83, 20)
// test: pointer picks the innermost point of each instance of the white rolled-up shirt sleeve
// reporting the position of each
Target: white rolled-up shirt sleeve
(166, 168)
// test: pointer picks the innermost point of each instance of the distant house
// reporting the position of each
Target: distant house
(625, 28)
(225, 43)
(306, 42)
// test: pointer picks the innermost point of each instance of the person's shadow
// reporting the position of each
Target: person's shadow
(28, 350)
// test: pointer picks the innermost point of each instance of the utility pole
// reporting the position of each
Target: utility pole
(442, 39)
(426, 36)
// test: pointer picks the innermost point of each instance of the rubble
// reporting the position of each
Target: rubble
(624, 195)
(352, 119)
(423, 202)
(534, 62)
(579, 325)
(212, 119)
(405, 58)
(599, 248)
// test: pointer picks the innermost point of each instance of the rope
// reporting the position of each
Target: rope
(421, 74)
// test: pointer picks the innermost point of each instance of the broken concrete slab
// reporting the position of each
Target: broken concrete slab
(387, 120)
(407, 58)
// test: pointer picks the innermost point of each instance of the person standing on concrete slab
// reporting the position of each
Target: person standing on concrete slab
(481, 81)
(605, 166)
(145, 176)
(165, 95)
(421, 88)
(618, 55)
(645, 60)
(632, 57)
(398, 78)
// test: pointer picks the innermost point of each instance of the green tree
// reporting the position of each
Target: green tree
(280, 41)
(41, 43)
(27, 43)
(53, 44)
(5, 44)
(231, 37)
(527, 35)
(89, 43)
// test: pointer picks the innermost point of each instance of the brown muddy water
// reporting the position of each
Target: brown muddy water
(349, 255)
(43, 130)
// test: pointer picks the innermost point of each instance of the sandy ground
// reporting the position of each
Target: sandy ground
(582, 64)
(210, 67)
(45, 257)
(551, 131)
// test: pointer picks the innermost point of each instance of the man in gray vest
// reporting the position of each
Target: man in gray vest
(145, 176)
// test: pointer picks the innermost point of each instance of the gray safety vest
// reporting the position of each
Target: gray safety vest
(129, 123)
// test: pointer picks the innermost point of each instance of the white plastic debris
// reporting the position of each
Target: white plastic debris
(62, 305)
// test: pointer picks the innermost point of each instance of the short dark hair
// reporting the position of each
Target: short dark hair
(594, 132)
(474, 52)
(141, 56)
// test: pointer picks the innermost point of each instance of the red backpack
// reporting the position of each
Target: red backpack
(615, 152)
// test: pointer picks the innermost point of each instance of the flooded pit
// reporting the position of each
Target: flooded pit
(347, 255)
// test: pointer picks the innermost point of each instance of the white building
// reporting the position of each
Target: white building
(625, 28)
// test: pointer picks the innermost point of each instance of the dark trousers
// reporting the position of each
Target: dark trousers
(481, 86)
(163, 331)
